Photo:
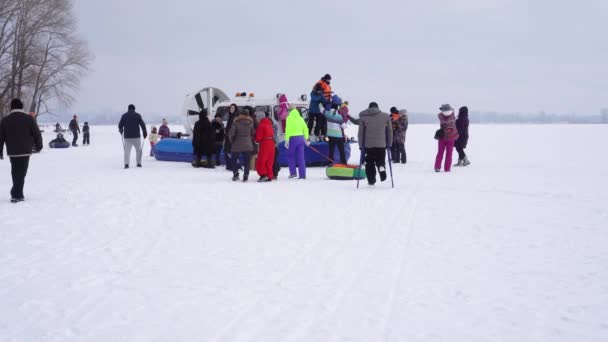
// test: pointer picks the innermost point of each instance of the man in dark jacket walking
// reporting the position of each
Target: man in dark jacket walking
(375, 135)
(21, 134)
(75, 128)
(129, 126)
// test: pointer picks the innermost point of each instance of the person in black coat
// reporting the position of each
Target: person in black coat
(21, 134)
(86, 134)
(129, 126)
(233, 112)
(220, 134)
(75, 128)
(462, 124)
(203, 140)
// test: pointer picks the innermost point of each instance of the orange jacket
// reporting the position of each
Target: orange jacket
(326, 89)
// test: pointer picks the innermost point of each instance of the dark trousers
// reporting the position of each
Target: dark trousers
(460, 151)
(19, 167)
(321, 127)
(276, 167)
(85, 139)
(75, 139)
(236, 159)
(218, 153)
(340, 143)
(398, 153)
(374, 158)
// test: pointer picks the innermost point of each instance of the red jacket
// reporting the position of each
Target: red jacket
(264, 134)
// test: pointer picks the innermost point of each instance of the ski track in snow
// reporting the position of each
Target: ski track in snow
(511, 248)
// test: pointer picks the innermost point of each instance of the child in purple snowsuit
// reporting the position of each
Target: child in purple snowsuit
(447, 120)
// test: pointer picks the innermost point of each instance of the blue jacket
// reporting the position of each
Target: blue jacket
(129, 124)
(316, 99)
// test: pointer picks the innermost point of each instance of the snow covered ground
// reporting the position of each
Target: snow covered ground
(510, 248)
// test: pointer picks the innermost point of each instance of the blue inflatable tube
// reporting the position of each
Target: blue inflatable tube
(180, 150)
(59, 145)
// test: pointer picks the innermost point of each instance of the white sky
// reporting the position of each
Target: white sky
(507, 56)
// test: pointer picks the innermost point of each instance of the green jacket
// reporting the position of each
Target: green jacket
(295, 125)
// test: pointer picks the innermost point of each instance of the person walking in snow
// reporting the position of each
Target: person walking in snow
(164, 130)
(375, 134)
(400, 123)
(218, 127)
(241, 136)
(233, 113)
(75, 129)
(264, 136)
(335, 129)
(154, 137)
(203, 140)
(445, 144)
(129, 126)
(296, 138)
(86, 134)
(462, 125)
(21, 134)
(319, 98)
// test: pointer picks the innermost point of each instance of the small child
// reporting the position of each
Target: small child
(86, 134)
(153, 140)
(343, 111)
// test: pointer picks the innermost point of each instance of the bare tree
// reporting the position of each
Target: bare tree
(41, 57)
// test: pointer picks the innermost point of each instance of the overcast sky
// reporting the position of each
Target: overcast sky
(507, 56)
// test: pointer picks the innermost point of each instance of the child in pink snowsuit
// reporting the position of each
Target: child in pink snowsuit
(283, 110)
(447, 120)
(343, 111)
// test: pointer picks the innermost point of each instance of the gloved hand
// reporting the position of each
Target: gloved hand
(343, 126)
(145, 136)
(307, 142)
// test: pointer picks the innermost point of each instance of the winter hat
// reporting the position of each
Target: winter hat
(463, 111)
(373, 105)
(131, 107)
(86, 122)
(327, 77)
(218, 115)
(393, 110)
(445, 107)
(16, 104)
(75, 117)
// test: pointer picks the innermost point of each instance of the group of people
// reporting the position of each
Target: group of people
(74, 128)
(248, 142)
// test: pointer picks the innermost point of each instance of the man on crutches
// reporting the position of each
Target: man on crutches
(129, 126)
(375, 131)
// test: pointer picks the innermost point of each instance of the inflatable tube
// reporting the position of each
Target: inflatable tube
(59, 145)
(345, 172)
(180, 150)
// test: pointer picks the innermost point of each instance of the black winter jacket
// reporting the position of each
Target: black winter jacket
(21, 134)
(74, 126)
(203, 140)
(220, 132)
(129, 124)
